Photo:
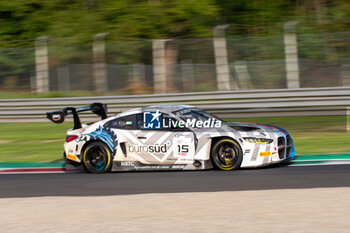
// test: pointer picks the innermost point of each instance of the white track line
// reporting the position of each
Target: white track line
(321, 162)
(296, 164)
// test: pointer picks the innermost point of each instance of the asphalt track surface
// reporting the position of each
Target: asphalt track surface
(86, 184)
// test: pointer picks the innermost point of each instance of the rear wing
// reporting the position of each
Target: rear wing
(58, 116)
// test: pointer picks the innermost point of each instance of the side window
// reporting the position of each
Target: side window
(127, 122)
(139, 121)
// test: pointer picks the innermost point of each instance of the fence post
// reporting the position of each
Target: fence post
(33, 82)
(171, 52)
(220, 49)
(291, 54)
(41, 65)
(159, 67)
(139, 72)
(63, 78)
(187, 75)
(345, 72)
(99, 67)
(243, 75)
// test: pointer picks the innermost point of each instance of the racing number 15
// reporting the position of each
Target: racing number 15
(182, 148)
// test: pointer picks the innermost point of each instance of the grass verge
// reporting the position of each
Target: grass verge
(32, 142)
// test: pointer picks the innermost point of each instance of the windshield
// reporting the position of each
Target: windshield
(195, 114)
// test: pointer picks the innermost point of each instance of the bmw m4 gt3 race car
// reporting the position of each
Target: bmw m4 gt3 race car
(169, 137)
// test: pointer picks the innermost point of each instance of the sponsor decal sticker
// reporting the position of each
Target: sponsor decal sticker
(152, 120)
(267, 153)
(127, 164)
(155, 120)
(182, 147)
(209, 123)
(182, 134)
(154, 149)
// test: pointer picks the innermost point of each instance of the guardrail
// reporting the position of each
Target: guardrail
(276, 102)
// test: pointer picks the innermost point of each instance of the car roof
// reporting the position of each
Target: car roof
(165, 108)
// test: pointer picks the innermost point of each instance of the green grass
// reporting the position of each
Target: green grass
(43, 142)
(32, 142)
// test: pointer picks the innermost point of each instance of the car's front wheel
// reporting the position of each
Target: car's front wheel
(97, 158)
(226, 154)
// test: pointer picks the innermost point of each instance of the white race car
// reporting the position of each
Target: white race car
(169, 137)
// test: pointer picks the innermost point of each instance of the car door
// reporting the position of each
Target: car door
(163, 142)
(126, 130)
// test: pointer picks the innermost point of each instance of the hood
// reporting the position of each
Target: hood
(248, 127)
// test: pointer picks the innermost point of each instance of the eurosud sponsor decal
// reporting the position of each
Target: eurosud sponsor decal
(157, 148)
(209, 123)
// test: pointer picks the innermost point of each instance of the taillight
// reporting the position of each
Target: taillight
(71, 138)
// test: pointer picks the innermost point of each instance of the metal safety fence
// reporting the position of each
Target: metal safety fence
(184, 65)
(226, 104)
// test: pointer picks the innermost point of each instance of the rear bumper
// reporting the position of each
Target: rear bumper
(71, 165)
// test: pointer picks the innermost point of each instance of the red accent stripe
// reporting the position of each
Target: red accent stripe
(270, 127)
(34, 170)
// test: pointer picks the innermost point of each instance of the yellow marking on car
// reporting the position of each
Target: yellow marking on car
(80, 130)
(72, 157)
(267, 153)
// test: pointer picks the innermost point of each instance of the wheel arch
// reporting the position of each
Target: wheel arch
(89, 142)
(216, 139)
(109, 156)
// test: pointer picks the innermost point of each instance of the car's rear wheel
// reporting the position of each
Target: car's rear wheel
(97, 158)
(226, 154)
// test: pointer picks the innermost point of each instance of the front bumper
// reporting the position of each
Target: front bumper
(279, 151)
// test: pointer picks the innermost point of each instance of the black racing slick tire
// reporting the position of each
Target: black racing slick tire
(226, 154)
(97, 158)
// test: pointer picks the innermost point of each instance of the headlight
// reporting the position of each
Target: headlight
(258, 140)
